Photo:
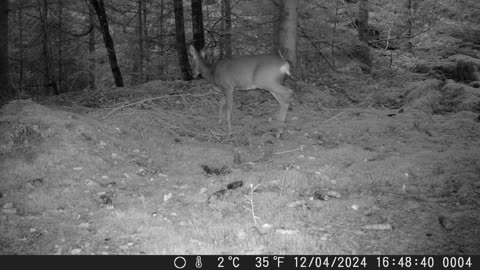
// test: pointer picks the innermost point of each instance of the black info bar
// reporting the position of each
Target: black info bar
(251, 262)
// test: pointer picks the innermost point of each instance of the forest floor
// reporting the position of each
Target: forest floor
(364, 167)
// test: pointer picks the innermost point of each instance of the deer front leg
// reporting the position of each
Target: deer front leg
(228, 107)
(221, 110)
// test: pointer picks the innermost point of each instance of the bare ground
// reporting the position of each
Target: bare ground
(386, 174)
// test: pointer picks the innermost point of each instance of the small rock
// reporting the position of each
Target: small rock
(84, 225)
(446, 222)
(105, 177)
(142, 171)
(202, 190)
(297, 204)
(76, 251)
(77, 168)
(91, 183)
(312, 158)
(355, 207)
(334, 194)
(267, 226)
(167, 197)
(287, 232)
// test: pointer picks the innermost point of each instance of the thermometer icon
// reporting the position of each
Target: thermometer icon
(198, 262)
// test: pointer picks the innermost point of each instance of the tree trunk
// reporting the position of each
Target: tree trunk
(288, 30)
(221, 45)
(363, 34)
(99, 7)
(6, 89)
(141, 39)
(409, 25)
(49, 82)
(227, 31)
(146, 47)
(137, 70)
(180, 40)
(277, 11)
(197, 24)
(60, 44)
(363, 51)
(91, 51)
(160, 42)
(21, 90)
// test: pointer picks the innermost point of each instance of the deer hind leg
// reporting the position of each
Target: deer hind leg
(282, 94)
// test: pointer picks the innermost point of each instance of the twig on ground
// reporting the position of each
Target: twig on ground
(333, 117)
(250, 202)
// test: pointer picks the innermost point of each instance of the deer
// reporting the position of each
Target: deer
(244, 73)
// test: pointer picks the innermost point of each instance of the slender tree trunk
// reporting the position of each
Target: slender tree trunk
(99, 7)
(49, 82)
(277, 11)
(137, 70)
(364, 36)
(91, 50)
(334, 30)
(20, 50)
(160, 43)
(5, 87)
(197, 24)
(221, 45)
(180, 40)
(146, 44)
(227, 31)
(60, 44)
(288, 30)
(410, 25)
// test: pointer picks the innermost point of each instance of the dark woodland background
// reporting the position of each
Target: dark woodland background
(59, 46)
